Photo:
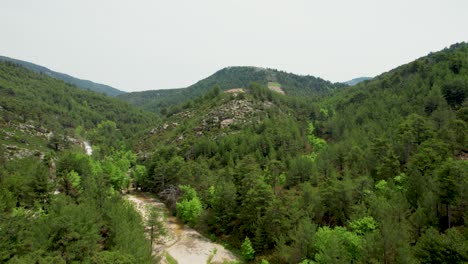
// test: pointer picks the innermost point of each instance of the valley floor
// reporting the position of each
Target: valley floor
(184, 244)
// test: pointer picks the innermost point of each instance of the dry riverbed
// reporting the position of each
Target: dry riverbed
(184, 244)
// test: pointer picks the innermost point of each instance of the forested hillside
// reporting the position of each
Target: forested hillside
(57, 204)
(83, 84)
(374, 173)
(229, 78)
(47, 105)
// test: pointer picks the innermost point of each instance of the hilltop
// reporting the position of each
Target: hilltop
(220, 114)
(83, 84)
(229, 78)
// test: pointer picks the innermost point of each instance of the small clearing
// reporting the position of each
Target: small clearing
(184, 244)
(274, 86)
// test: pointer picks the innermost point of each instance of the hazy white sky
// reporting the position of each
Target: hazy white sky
(155, 44)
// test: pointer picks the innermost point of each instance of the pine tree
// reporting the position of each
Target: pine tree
(247, 250)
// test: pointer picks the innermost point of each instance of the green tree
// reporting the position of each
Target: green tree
(107, 136)
(248, 253)
(455, 91)
(56, 141)
(420, 168)
(364, 225)
(300, 170)
(70, 229)
(156, 227)
(390, 209)
(316, 142)
(412, 132)
(453, 184)
(299, 243)
(337, 245)
(70, 184)
(224, 205)
(124, 230)
(254, 202)
(450, 247)
(190, 207)
(138, 174)
(454, 134)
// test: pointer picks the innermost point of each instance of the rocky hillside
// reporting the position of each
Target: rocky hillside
(18, 140)
(38, 112)
(216, 115)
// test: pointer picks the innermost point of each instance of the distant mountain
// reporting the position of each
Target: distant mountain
(229, 78)
(83, 84)
(357, 80)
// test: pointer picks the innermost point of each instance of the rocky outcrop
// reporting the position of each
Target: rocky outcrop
(235, 91)
(15, 152)
(233, 112)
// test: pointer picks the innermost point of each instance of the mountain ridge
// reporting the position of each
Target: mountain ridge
(229, 78)
(80, 83)
(357, 80)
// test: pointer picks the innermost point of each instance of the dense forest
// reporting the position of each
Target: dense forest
(373, 173)
(67, 208)
(57, 204)
(229, 78)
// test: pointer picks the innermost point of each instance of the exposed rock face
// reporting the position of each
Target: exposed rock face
(185, 114)
(11, 147)
(233, 112)
(226, 122)
(275, 88)
(26, 139)
(16, 152)
(31, 130)
(17, 143)
(219, 119)
(235, 91)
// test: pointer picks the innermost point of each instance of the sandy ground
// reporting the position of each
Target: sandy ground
(276, 89)
(184, 244)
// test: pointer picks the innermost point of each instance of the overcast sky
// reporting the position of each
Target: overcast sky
(155, 44)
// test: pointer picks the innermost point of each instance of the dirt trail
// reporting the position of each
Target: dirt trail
(184, 244)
